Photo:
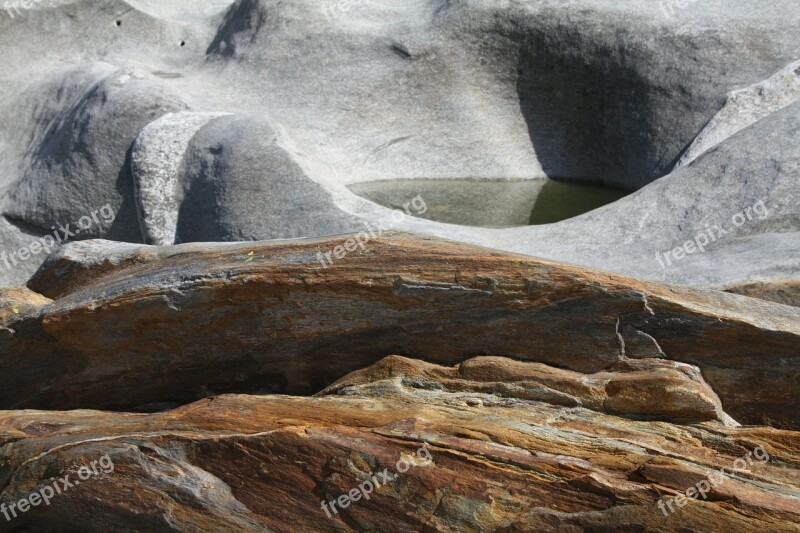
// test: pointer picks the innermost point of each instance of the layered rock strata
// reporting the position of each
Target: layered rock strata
(433, 448)
(151, 327)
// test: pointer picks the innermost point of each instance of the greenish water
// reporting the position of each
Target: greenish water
(491, 203)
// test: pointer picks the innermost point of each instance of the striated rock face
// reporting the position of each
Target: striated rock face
(649, 388)
(433, 449)
(145, 328)
(15, 302)
(456, 389)
(400, 265)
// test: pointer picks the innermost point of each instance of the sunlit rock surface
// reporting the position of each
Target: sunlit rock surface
(144, 328)
(413, 265)
(456, 454)
(260, 119)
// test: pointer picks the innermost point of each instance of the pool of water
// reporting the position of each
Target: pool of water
(491, 203)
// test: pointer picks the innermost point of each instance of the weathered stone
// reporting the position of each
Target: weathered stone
(17, 301)
(546, 395)
(483, 461)
(588, 92)
(179, 323)
(241, 183)
(783, 291)
(745, 107)
(82, 162)
(156, 160)
(653, 389)
(80, 263)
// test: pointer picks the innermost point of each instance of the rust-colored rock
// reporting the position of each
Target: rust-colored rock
(19, 301)
(786, 291)
(180, 323)
(498, 462)
(650, 388)
(526, 396)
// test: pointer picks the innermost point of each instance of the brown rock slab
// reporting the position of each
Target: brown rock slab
(185, 322)
(482, 461)
(18, 301)
(655, 389)
(785, 291)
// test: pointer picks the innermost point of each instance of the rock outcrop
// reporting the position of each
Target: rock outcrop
(322, 98)
(165, 326)
(528, 395)
(745, 107)
(417, 265)
(448, 448)
(156, 159)
(784, 291)
(647, 388)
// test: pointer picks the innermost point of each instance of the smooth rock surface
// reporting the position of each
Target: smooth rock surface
(737, 202)
(156, 158)
(746, 107)
(593, 92)
(241, 184)
(82, 162)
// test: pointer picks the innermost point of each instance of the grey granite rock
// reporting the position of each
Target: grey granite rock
(746, 186)
(156, 159)
(745, 107)
(76, 164)
(241, 183)
(327, 99)
(82, 162)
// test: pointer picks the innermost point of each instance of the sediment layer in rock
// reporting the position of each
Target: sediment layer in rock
(484, 460)
(170, 325)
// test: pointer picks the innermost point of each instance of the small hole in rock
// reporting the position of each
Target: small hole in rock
(119, 23)
(183, 43)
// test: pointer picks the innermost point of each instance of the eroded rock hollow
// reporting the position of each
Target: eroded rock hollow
(412, 265)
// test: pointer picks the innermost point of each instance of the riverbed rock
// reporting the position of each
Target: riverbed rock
(745, 107)
(169, 325)
(156, 159)
(14, 302)
(428, 265)
(242, 184)
(442, 453)
(589, 92)
(648, 388)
